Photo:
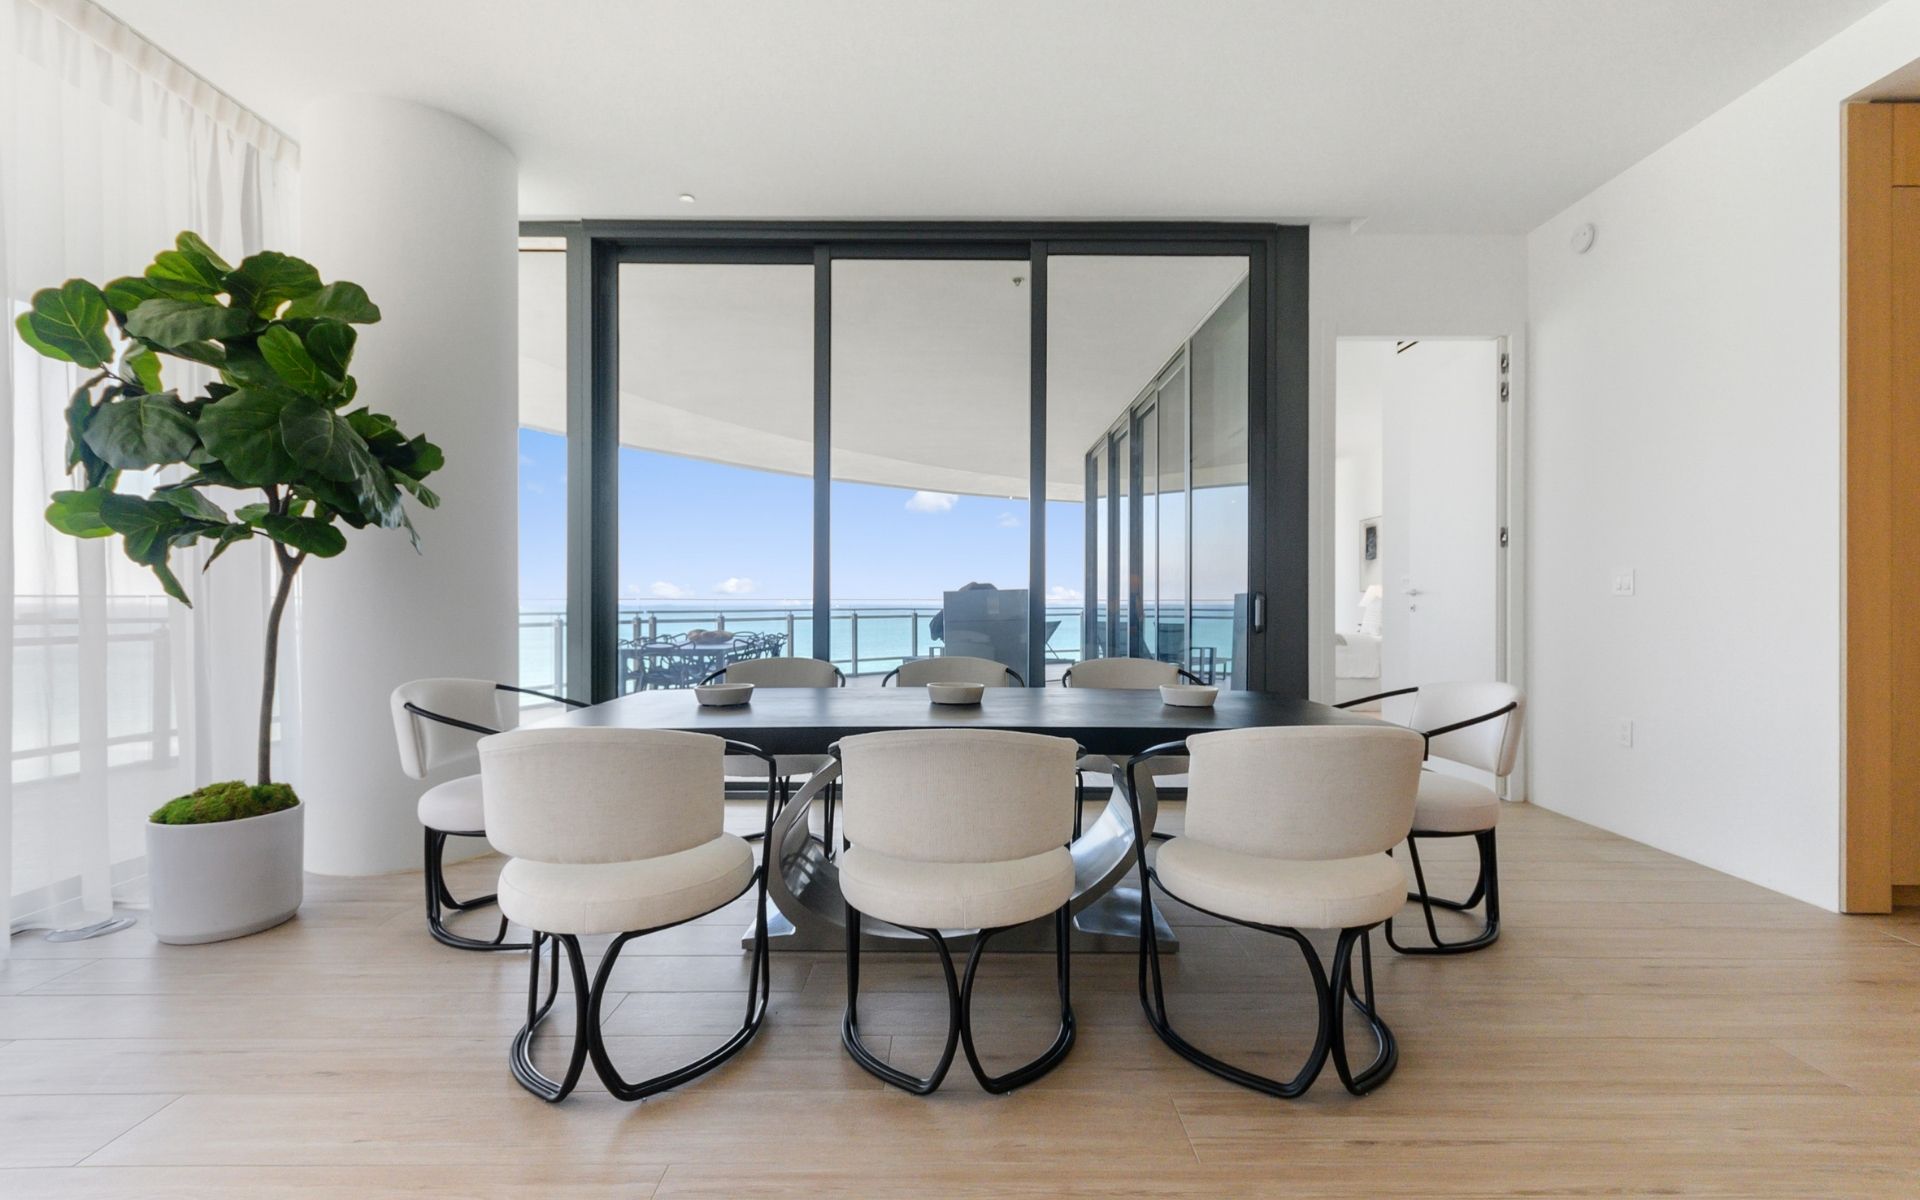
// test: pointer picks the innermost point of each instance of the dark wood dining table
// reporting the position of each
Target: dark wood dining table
(804, 882)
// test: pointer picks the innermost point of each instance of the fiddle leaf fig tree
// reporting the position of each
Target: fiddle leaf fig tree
(280, 422)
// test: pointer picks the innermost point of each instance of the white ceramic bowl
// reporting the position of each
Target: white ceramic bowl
(723, 695)
(956, 693)
(1188, 695)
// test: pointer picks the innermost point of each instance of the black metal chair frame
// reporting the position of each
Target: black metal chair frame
(1018, 679)
(1328, 987)
(960, 1009)
(589, 1042)
(440, 900)
(1486, 886)
(786, 787)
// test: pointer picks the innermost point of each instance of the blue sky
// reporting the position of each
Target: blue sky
(692, 530)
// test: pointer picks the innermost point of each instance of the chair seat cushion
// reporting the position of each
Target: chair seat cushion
(625, 896)
(454, 806)
(930, 895)
(1336, 893)
(1447, 804)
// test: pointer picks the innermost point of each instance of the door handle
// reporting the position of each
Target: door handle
(1412, 591)
(1258, 617)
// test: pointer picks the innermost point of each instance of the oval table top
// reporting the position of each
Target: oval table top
(1117, 723)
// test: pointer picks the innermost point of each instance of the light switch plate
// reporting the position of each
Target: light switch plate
(1623, 581)
(1623, 733)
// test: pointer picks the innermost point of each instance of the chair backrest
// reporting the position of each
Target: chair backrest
(601, 795)
(428, 745)
(958, 795)
(784, 673)
(1303, 792)
(953, 668)
(1490, 745)
(1122, 673)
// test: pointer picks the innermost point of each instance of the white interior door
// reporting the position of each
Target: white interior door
(1440, 538)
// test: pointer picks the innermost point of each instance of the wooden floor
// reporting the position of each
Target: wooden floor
(1644, 1026)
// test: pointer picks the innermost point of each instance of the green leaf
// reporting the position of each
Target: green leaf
(170, 582)
(340, 301)
(171, 323)
(373, 487)
(141, 431)
(69, 323)
(243, 432)
(427, 497)
(190, 502)
(378, 431)
(125, 294)
(284, 352)
(314, 535)
(209, 353)
(78, 513)
(145, 365)
(79, 413)
(147, 526)
(334, 497)
(331, 345)
(190, 242)
(263, 282)
(425, 458)
(227, 537)
(319, 439)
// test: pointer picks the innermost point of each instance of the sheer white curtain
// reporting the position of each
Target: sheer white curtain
(117, 698)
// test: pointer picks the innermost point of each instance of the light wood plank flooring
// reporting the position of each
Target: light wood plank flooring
(1645, 1026)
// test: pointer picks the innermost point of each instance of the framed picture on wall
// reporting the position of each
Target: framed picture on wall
(1369, 551)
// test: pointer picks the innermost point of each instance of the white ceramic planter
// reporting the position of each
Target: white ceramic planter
(226, 879)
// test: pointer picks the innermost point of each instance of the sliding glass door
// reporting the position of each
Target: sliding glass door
(870, 444)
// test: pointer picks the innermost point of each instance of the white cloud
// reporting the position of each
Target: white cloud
(1009, 521)
(1063, 595)
(662, 590)
(735, 585)
(932, 502)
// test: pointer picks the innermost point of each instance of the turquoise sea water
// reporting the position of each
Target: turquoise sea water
(867, 638)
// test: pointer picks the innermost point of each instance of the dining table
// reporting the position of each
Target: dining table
(1114, 724)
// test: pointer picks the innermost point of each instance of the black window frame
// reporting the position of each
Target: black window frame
(1278, 637)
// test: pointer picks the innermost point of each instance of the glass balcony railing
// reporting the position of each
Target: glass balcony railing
(868, 640)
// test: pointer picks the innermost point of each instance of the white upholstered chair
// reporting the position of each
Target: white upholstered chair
(1121, 674)
(616, 831)
(1135, 673)
(1287, 830)
(437, 724)
(953, 668)
(957, 830)
(1476, 725)
(785, 673)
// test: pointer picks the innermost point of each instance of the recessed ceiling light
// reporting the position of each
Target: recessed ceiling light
(686, 197)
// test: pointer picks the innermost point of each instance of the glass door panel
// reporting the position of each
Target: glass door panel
(715, 468)
(931, 411)
(1154, 439)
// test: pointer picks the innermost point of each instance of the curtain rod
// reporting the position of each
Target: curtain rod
(118, 38)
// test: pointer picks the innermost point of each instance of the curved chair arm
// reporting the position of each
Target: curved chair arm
(1019, 680)
(1141, 834)
(712, 675)
(1405, 691)
(456, 722)
(508, 687)
(1430, 734)
(1189, 676)
(773, 777)
(1066, 677)
(893, 674)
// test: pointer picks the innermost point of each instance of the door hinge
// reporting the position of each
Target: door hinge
(1503, 536)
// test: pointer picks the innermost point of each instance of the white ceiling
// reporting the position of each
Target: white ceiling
(1469, 115)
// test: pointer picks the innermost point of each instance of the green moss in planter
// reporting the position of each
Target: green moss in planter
(229, 801)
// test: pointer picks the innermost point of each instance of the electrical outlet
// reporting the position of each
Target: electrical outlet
(1623, 581)
(1623, 733)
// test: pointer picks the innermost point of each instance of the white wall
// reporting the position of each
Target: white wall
(419, 207)
(1403, 286)
(1359, 371)
(1686, 414)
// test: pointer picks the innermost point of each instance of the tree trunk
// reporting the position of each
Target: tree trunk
(288, 565)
